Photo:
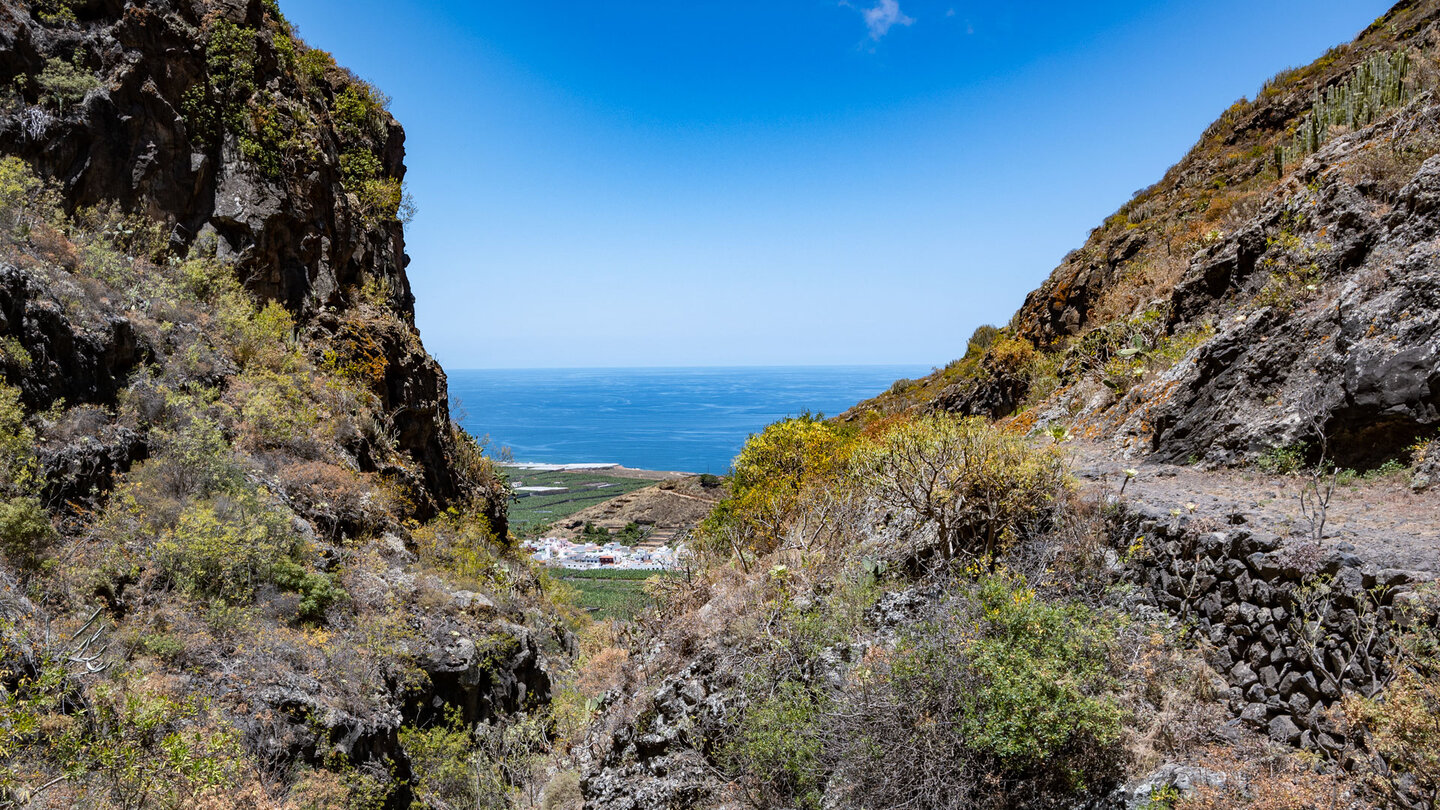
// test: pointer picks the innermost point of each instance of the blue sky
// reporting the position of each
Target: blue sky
(789, 182)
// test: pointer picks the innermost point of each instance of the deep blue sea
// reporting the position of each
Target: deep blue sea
(688, 419)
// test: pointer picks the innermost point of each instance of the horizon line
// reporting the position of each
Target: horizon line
(691, 367)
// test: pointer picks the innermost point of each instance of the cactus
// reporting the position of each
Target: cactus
(1380, 83)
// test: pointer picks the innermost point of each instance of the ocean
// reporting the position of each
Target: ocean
(686, 419)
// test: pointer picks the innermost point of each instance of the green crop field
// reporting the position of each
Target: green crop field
(609, 594)
(531, 512)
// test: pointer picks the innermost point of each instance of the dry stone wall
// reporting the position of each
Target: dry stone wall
(1290, 624)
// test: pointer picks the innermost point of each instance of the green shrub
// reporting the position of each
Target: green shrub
(1009, 357)
(161, 645)
(65, 83)
(1287, 289)
(204, 278)
(1002, 700)
(225, 547)
(19, 470)
(384, 199)
(779, 745)
(13, 354)
(446, 761)
(462, 545)
(775, 473)
(134, 745)
(359, 165)
(1283, 459)
(276, 409)
(264, 141)
(317, 590)
(56, 12)
(192, 460)
(792, 454)
(311, 65)
(26, 533)
(359, 111)
(981, 338)
(219, 105)
(22, 194)
(263, 338)
(1391, 468)
(1041, 670)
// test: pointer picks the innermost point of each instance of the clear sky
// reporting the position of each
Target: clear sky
(785, 182)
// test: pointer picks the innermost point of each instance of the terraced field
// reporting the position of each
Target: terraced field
(532, 511)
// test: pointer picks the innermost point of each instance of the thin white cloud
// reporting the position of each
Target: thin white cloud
(881, 17)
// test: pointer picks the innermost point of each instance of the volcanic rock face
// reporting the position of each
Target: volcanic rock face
(1356, 363)
(134, 138)
(1301, 282)
(209, 118)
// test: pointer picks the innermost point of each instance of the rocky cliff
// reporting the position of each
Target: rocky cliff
(246, 558)
(1276, 289)
(210, 118)
(212, 124)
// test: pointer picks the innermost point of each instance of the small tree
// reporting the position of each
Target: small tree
(65, 83)
(977, 487)
(26, 533)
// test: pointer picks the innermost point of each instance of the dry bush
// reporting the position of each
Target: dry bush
(52, 245)
(339, 500)
(1264, 776)
(961, 487)
(1138, 285)
(1172, 697)
(1398, 760)
(75, 423)
(1385, 167)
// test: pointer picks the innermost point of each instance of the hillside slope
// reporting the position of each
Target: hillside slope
(246, 558)
(1276, 289)
(1162, 541)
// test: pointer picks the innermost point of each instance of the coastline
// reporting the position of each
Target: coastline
(608, 468)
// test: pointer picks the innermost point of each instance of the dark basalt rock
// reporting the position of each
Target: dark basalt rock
(297, 239)
(77, 362)
(497, 674)
(82, 471)
(297, 236)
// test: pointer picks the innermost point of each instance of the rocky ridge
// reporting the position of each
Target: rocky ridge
(1254, 298)
(212, 125)
(249, 510)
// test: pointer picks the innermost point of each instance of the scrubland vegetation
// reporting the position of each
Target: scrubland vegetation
(229, 577)
(261, 529)
(926, 613)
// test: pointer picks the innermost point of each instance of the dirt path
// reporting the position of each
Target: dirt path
(1384, 522)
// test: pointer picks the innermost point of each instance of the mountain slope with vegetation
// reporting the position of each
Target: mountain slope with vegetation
(246, 557)
(1153, 544)
(1274, 292)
